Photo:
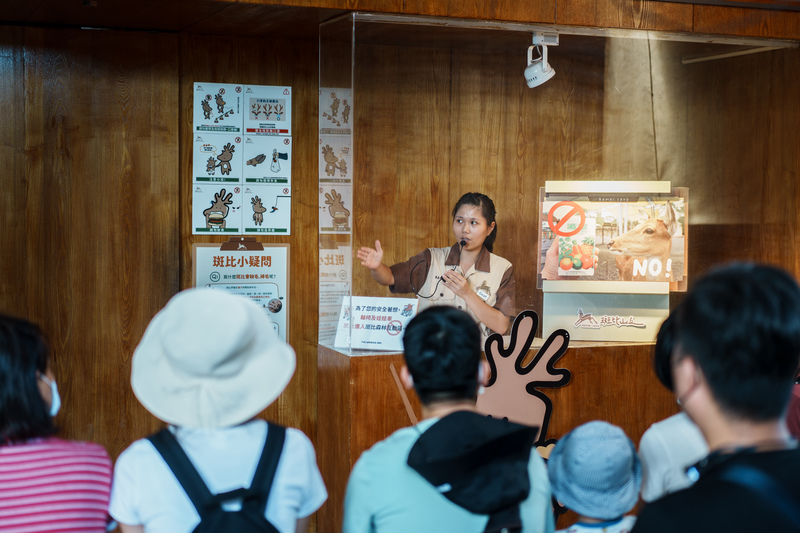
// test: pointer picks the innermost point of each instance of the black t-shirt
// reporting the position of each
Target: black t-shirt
(714, 504)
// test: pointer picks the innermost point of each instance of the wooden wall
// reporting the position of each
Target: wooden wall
(95, 145)
(91, 250)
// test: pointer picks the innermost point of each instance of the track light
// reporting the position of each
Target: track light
(539, 70)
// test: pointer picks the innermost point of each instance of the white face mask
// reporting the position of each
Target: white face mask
(55, 403)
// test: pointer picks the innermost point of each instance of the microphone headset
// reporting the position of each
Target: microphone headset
(461, 244)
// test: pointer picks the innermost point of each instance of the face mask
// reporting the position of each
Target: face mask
(55, 404)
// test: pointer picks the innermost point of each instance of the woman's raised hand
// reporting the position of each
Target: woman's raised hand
(371, 258)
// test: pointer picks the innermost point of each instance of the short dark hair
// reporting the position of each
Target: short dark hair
(741, 324)
(24, 351)
(487, 210)
(442, 348)
(662, 353)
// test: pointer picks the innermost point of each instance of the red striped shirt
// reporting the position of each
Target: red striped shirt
(54, 485)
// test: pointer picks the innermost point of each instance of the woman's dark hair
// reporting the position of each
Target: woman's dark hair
(442, 349)
(24, 351)
(487, 210)
(662, 353)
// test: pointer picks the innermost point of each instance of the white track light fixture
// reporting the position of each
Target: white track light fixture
(539, 70)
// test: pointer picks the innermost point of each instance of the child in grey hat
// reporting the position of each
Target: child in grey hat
(594, 470)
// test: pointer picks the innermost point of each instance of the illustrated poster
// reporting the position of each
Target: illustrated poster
(617, 237)
(217, 157)
(335, 111)
(335, 158)
(266, 209)
(217, 108)
(267, 159)
(216, 209)
(261, 275)
(335, 204)
(269, 110)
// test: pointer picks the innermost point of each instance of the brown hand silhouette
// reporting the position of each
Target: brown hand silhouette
(511, 392)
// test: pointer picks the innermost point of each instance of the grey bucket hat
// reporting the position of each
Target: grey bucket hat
(595, 471)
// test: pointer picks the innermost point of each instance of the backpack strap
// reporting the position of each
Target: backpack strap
(255, 497)
(763, 485)
(183, 469)
(261, 486)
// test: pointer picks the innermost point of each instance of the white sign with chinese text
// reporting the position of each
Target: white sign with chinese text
(261, 275)
(369, 323)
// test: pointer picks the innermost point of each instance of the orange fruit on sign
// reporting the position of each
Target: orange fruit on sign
(566, 264)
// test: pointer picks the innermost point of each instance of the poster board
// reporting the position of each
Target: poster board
(608, 255)
(249, 268)
(374, 323)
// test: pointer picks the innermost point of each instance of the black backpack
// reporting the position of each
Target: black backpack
(209, 506)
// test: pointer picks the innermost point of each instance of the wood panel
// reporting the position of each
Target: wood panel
(541, 11)
(750, 22)
(13, 238)
(637, 15)
(101, 213)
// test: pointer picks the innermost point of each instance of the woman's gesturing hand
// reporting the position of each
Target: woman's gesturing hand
(371, 258)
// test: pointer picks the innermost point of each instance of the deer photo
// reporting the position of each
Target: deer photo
(643, 253)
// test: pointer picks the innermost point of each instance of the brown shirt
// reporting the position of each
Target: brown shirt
(491, 278)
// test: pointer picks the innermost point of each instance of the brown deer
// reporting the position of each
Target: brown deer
(643, 252)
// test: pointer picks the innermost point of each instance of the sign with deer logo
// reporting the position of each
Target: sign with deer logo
(609, 254)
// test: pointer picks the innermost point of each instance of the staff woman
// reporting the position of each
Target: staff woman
(466, 275)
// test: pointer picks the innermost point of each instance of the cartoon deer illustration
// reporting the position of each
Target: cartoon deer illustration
(256, 110)
(512, 390)
(339, 213)
(225, 159)
(258, 210)
(220, 103)
(215, 215)
(649, 244)
(278, 111)
(331, 160)
(206, 109)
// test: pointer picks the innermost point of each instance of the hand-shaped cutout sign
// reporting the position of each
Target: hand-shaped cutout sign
(511, 391)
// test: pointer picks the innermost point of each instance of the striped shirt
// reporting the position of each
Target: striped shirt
(54, 485)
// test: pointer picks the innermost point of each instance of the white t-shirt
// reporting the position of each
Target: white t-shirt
(622, 525)
(666, 449)
(145, 492)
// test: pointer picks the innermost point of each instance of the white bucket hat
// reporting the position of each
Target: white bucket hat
(595, 471)
(210, 359)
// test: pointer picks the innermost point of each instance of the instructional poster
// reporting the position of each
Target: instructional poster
(267, 159)
(261, 275)
(217, 158)
(335, 268)
(336, 159)
(334, 209)
(269, 110)
(242, 159)
(368, 323)
(614, 237)
(217, 108)
(268, 207)
(335, 111)
(216, 209)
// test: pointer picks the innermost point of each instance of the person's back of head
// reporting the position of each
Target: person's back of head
(24, 355)
(741, 325)
(595, 471)
(442, 347)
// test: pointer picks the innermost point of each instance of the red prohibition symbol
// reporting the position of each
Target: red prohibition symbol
(576, 210)
(394, 327)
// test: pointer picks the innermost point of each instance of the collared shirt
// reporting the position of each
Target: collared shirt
(491, 278)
